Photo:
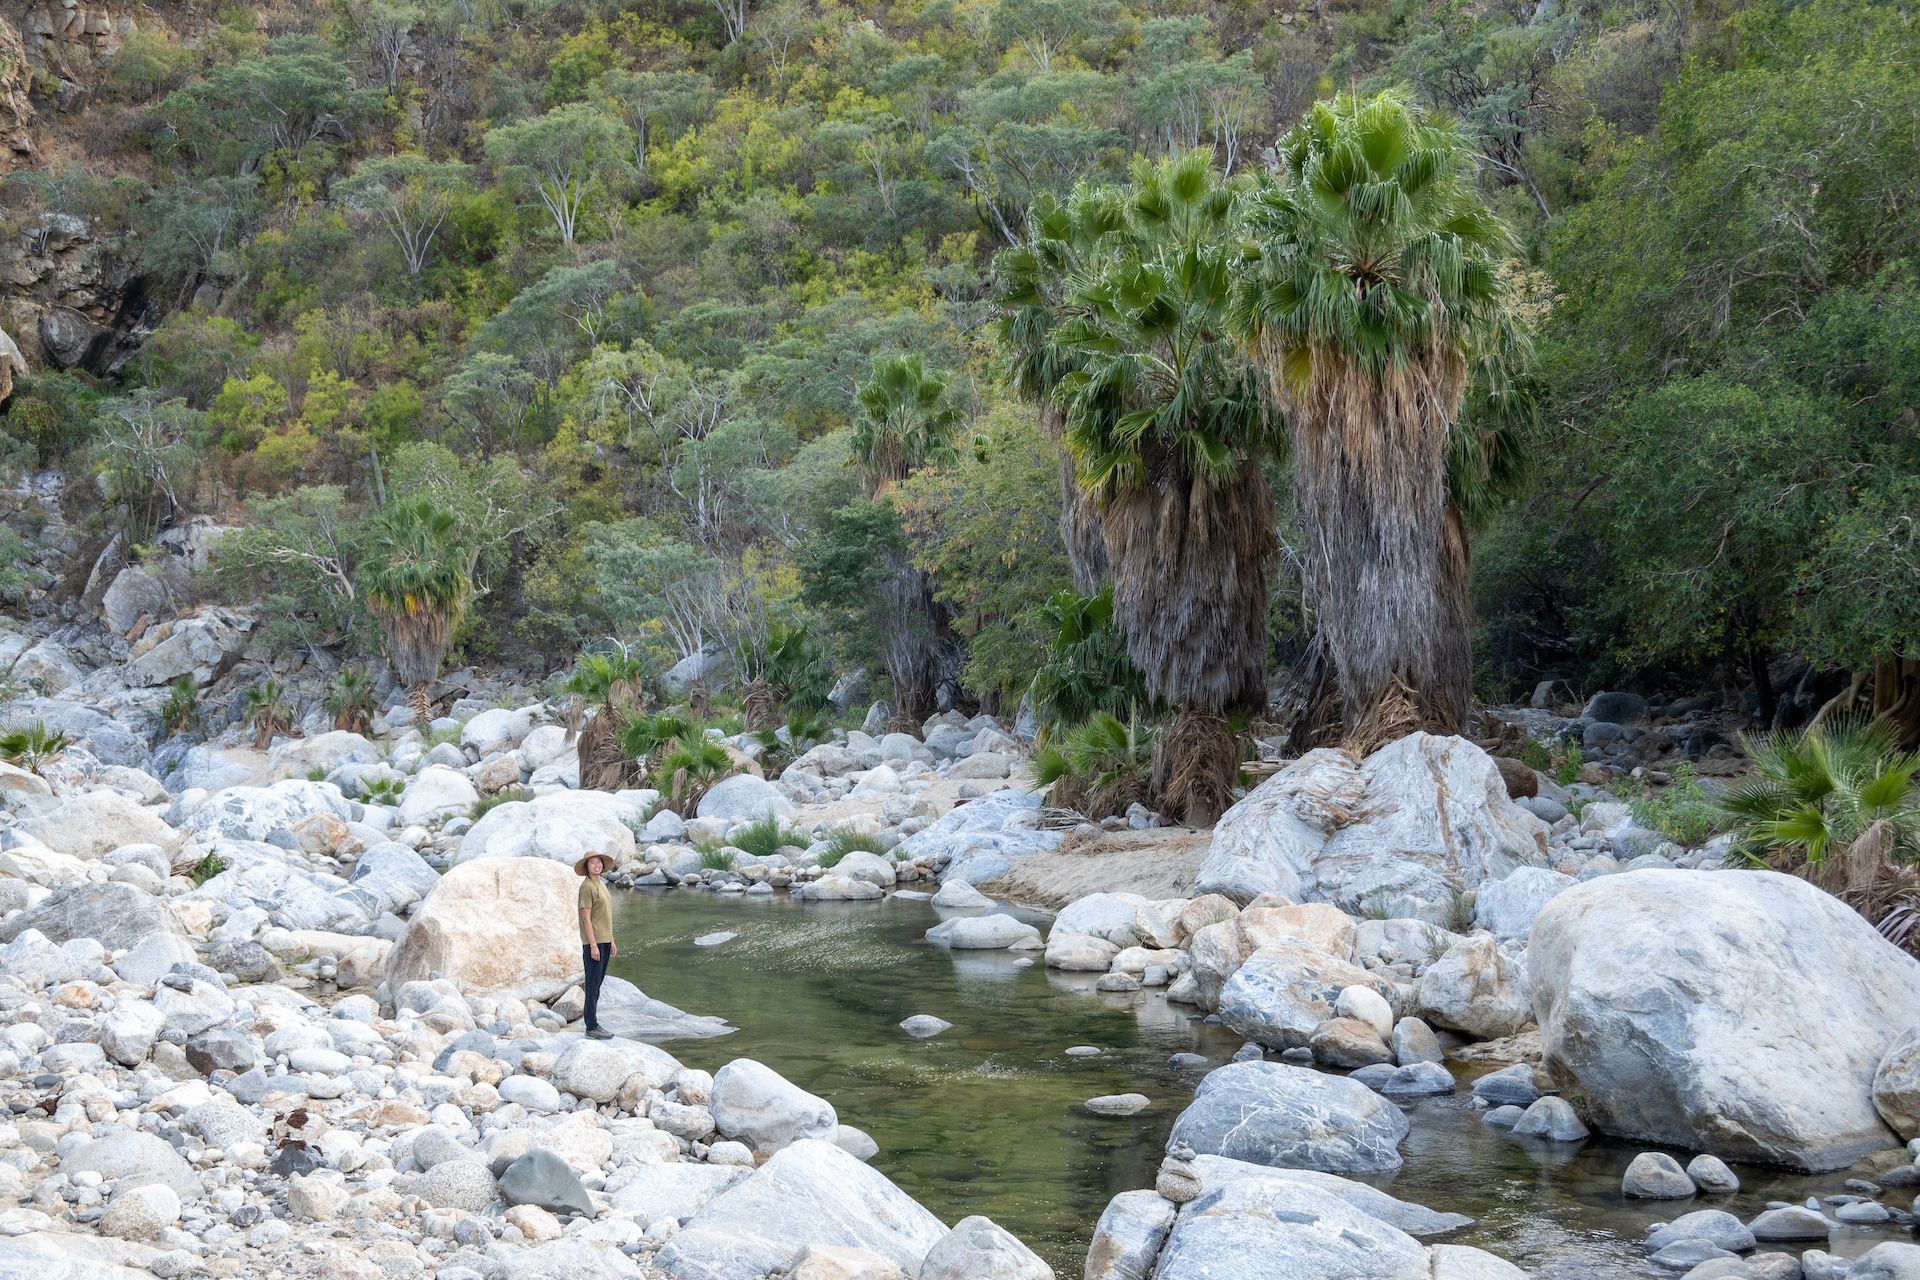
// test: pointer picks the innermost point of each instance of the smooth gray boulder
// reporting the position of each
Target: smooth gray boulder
(1287, 1231)
(994, 932)
(1419, 821)
(1794, 1222)
(1889, 1261)
(1655, 1175)
(117, 916)
(1270, 1113)
(1552, 1118)
(1647, 987)
(744, 798)
(1896, 1084)
(760, 1107)
(1507, 908)
(542, 1178)
(1129, 1236)
(134, 1159)
(1715, 1226)
(1216, 1172)
(979, 1249)
(809, 1193)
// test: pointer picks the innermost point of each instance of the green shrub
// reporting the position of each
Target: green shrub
(1684, 811)
(317, 773)
(764, 836)
(714, 856)
(687, 770)
(1087, 669)
(385, 791)
(350, 702)
(267, 712)
(205, 869)
(181, 712)
(841, 841)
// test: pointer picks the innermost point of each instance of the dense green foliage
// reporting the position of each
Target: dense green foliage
(679, 316)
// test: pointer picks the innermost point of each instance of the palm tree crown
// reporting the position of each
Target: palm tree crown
(418, 574)
(908, 420)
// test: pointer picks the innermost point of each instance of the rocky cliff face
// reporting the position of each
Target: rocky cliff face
(75, 299)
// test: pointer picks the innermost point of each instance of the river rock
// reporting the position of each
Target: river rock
(562, 826)
(977, 1249)
(466, 1185)
(1889, 1261)
(94, 823)
(1711, 1175)
(543, 1179)
(134, 1159)
(394, 874)
(496, 926)
(1124, 919)
(1369, 1006)
(435, 794)
(995, 932)
(960, 894)
(1347, 1043)
(870, 867)
(140, 1213)
(1119, 1104)
(258, 813)
(1291, 1117)
(757, 1105)
(1477, 988)
(833, 1262)
(1295, 1231)
(744, 798)
(1129, 1236)
(839, 888)
(1507, 908)
(1283, 992)
(924, 1026)
(811, 1192)
(1509, 1086)
(498, 724)
(1413, 1041)
(1079, 952)
(117, 916)
(1422, 818)
(1896, 1085)
(1718, 1228)
(1794, 1222)
(600, 1069)
(1551, 1118)
(324, 751)
(1654, 1175)
(1216, 1172)
(1780, 1071)
(677, 1191)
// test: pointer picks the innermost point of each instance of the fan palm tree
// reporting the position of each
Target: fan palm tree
(418, 573)
(908, 421)
(1373, 299)
(1170, 427)
(1029, 280)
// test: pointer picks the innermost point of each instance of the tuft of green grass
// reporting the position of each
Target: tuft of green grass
(1683, 811)
(714, 856)
(487, 804)
(764, 836)
(841, 842)
(205, 869)
(316, 774)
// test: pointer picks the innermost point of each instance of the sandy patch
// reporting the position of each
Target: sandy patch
(1159, 863)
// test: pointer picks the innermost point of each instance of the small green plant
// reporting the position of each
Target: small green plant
(1567, 771)
(717, 858)
(506, 795)
(764, 836)
(350, 702)
(316, 774)
(595, 674)
(687, 770)
(1377, 905)
(383, 790)
(205, 869)
(267, 713)
(1817, 794)
(32, 746)
(441, 737)
(1684, 811)
(1460, 905)
(181, 711)
(842, 841)
(1101, 767)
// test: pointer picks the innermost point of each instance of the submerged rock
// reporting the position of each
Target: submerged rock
(1292, 1117)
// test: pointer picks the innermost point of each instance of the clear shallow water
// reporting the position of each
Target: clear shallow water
(987, 1117)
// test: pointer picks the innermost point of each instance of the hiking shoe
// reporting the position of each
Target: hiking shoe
(597, 1034)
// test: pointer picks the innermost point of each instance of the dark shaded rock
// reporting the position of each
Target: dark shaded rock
(542, 1178)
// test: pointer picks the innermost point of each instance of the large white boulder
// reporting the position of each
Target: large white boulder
(561, 826)
(812, 1192)
(1478, 988)
(323, 751)
(1739, 1012)
(1416, 823)
(1506, 908)
(435, 794)
(498, 927)
(95, 823)
(764, 1109)
(497, 725)
(744, 798)
(1124, 919)
(255, 813)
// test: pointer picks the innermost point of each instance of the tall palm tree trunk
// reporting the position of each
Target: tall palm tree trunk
(1387, 563)
(1189, 567)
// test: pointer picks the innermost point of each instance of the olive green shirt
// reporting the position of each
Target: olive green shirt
(595, 900)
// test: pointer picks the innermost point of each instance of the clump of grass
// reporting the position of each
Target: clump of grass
(764, 836)
(205, 869)
(1684, 811)
(507, 795)
(842, 841)
(316, 774)
(714, 856)
(1559, 760)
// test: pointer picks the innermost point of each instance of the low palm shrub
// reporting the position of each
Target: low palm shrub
(1100, 767)
(32, 745)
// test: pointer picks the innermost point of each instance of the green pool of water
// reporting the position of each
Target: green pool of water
(987, 1117)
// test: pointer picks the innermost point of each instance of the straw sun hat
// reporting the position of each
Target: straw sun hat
(580, 867)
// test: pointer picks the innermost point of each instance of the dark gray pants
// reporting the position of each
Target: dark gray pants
(596, 974)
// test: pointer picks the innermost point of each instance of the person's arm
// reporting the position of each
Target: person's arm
(586, 923)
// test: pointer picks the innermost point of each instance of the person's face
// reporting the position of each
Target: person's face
(594, 866)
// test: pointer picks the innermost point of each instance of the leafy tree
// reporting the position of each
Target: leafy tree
(148, 450)
(1043, 29)
(658, 106)
(562, 156)
(1374, 300)
(410, 195)
(568, 308)
(417, 572)
(296, 94)
(192, 228)
(296, 555)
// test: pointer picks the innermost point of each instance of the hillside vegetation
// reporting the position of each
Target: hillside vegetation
(673, 325)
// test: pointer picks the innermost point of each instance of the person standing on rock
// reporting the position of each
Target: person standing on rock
(597, 946)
